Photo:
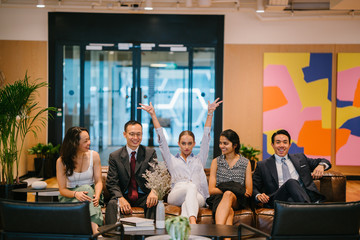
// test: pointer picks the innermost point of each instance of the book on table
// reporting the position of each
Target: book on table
(138, 228)
(137, 221)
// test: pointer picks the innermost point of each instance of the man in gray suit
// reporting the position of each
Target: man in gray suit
(287, 177)
(125, 182)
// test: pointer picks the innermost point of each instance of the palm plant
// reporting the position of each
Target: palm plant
(20, 114)
(250, 153)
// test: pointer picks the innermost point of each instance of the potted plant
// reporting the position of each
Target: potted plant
(20, 114)
(251, 154)
(45, 159)
(178, 227)
(159, 180)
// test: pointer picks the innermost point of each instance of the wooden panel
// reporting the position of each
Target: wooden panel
(17, 57)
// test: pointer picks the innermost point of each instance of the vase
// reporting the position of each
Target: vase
(160, 215)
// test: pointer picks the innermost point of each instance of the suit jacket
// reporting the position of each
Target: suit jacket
(265, 177)
(118, 177)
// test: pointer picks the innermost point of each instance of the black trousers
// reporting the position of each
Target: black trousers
(290, 191)
(112, 209)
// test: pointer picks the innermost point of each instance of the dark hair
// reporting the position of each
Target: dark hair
(131, 122)
(69, 148)
(187, 132)
(233, 137)
(281, 131)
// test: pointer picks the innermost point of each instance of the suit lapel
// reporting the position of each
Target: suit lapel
(295, 162)
(272, 169)
(124, 158)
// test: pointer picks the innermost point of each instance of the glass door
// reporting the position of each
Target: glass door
(178, 83)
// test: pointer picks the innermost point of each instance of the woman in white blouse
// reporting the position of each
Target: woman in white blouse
(189, 188)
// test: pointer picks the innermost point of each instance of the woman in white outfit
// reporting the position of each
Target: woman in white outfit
(189, 188)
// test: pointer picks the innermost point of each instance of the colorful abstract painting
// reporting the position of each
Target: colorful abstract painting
(348, 110)
(297, 97)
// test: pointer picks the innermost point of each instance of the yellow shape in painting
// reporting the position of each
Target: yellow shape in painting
(348, 60)
(346, 113)
(314, 94)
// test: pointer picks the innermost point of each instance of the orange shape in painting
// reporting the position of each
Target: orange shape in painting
(314, 139)
(342, 136)
(273, 98)
(356, 102)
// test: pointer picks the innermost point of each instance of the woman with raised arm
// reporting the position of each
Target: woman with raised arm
(230, 181)
(189, 188)
(78, 172)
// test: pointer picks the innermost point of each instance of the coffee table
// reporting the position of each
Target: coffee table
(214, 231)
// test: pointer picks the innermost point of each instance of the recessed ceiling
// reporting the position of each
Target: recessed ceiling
(279, 7)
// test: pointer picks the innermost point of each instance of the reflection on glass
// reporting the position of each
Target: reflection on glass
(108, 83)
(164, 82)
(203, 91)
(71, 87)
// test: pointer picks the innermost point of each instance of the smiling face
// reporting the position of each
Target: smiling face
(226, 145)
(84, 142)
(281, 145)
(133, 135)
(186, 145)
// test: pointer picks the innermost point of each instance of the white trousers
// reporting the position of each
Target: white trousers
(185, 194)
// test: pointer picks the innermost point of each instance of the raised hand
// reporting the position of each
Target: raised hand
(148, 108)
(213, 106)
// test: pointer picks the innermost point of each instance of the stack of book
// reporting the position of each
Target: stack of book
(137, 224)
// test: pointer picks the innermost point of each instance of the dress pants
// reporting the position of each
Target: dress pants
(112, 208)
(185, 194)
(290, 191)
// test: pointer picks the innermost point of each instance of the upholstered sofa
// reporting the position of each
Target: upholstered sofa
(332, 185)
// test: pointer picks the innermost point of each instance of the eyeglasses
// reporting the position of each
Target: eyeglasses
(132, 134)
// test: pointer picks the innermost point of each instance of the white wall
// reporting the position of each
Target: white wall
(243, 27)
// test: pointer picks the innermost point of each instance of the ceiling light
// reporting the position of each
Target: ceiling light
(148, 5)
(40, 4)
(260, 6)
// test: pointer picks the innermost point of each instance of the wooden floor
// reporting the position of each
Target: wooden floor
(352, 190)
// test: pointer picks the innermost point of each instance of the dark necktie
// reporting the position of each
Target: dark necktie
(132, 194)
(285, 170)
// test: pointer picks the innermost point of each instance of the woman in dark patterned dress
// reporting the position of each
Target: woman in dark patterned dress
(230, 181)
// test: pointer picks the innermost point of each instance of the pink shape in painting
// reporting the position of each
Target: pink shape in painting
(278, 75)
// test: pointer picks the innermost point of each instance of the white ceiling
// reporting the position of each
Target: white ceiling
(272, 7)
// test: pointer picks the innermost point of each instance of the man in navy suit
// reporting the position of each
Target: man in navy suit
(125, 182)
(287, 177)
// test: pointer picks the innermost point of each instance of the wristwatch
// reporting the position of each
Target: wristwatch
(323, 164)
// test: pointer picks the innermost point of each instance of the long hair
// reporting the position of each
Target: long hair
(233, 137)
(69, 148)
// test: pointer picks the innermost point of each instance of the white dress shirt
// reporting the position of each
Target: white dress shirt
(190, 170)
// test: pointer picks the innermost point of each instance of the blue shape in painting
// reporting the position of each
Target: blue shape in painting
(353, 125)
(341, 104)
(295, 148)
(265, 151)
(320, 67)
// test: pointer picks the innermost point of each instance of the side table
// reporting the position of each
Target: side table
(36, 191)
